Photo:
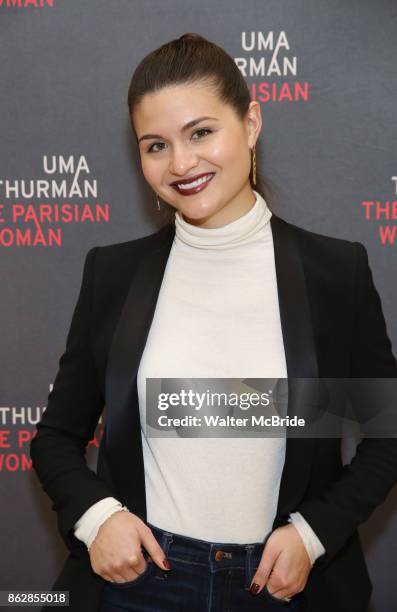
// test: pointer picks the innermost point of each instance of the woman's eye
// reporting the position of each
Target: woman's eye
(202, 130)
(155, 144)
(150, 149)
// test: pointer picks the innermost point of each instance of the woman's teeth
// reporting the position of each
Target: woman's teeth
(199, 181)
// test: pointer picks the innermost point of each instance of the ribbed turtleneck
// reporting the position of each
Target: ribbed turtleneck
(246, 229)
(216, 317)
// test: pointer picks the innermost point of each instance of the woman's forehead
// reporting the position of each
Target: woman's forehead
(178, 104)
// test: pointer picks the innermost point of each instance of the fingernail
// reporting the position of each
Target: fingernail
(166, 564)
(254, 588)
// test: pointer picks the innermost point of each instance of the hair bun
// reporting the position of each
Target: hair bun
(192, 36)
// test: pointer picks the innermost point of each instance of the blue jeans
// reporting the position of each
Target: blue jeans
(205, 577)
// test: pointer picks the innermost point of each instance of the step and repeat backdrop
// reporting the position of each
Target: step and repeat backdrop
(324, 74)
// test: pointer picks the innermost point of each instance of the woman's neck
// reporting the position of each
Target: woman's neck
(245, 229)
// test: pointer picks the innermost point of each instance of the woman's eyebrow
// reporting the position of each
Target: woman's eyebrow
(188, 125)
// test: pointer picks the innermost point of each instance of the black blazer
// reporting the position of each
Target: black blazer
(332, 325)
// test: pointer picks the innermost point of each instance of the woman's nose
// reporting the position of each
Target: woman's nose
(182, 161)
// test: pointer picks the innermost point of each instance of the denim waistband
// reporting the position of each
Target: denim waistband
(201, 552)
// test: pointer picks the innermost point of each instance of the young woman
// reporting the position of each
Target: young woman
(225, 289)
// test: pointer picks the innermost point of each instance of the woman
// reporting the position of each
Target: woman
(225, 289)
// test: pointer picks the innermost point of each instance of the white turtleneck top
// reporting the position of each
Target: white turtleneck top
(217, 316)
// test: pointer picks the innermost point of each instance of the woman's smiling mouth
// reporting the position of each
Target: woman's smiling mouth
(195, 186)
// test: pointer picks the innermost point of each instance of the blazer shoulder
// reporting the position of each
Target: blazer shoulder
(123, 253)
(149, 241)
(326, 258)
(317, 238)
(315, 244)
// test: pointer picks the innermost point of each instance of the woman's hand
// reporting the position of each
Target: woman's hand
(116, 554)
(285, 564)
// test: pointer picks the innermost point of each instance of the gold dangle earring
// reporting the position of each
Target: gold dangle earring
(254, 165)
(158, 202)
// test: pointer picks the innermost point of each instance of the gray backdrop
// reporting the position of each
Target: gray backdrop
(65, 71)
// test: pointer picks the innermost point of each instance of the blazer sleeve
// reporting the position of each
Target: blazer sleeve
(67, 425)
(366, 481)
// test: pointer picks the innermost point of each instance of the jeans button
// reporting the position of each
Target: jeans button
(219, 555)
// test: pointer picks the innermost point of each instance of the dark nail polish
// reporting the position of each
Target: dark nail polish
(166, 563)
(254, 588)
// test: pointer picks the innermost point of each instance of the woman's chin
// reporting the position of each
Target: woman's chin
(196, 215)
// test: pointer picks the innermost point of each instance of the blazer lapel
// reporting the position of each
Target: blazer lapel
(129, 339)
(122, 419)
(301, 358)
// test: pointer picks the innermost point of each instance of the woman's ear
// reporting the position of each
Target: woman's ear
(254, 123)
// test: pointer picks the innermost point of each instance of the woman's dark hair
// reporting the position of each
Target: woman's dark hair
(187, 59)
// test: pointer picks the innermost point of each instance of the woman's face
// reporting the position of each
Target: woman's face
(173, 151)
